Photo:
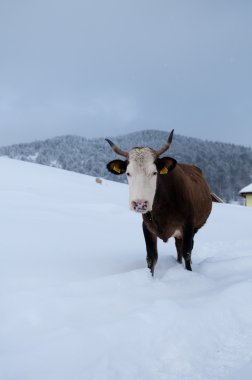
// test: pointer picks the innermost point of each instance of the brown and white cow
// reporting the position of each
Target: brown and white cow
(174, 198)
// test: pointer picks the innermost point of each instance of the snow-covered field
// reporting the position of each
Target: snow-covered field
(77, 302)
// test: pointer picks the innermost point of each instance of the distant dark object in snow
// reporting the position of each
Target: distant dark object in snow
(98, 180)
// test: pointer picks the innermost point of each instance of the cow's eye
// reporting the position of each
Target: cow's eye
(128, 174)
(154, 173)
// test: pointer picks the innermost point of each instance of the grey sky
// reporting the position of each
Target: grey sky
(99, 68)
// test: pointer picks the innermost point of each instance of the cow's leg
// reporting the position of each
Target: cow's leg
(151, 248)
(178, 243)
(187, 246)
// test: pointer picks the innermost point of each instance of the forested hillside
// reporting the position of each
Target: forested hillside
(227, 167)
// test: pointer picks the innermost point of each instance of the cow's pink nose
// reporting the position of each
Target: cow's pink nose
(140, 205)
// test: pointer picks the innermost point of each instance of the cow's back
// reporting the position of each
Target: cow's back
(198, 193)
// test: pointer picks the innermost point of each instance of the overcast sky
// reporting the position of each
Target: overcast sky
(107, 67)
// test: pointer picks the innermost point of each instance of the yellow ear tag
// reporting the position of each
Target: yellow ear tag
(164, 170)
(116, 169)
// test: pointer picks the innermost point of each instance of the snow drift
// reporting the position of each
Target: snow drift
(77, 301)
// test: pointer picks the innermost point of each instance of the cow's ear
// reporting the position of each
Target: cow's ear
(117, 166)
(165, 165)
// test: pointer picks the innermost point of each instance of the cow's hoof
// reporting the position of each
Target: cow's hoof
(151, 265)
(188, 266)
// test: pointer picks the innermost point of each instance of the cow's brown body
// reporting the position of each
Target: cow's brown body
(182, 197)
(181, 206)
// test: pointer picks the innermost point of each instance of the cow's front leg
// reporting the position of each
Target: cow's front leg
(178, 243)
(187, 246)
(151, 248)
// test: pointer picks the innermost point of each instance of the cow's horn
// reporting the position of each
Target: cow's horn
(117, 149)
(166, 145)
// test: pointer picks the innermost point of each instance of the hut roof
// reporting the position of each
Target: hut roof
(217, 199)
(246, 190)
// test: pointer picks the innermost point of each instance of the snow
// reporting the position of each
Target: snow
(32, 157)
(77, 301)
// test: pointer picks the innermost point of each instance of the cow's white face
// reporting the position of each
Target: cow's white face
(142, 178)
(142, 166)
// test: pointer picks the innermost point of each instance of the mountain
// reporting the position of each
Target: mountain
(227, 167)
(77, 301)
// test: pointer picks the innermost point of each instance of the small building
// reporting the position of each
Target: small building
(246, 193)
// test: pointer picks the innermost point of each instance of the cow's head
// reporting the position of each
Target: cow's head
(142, 166)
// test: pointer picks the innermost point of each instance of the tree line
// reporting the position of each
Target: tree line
(227, 167)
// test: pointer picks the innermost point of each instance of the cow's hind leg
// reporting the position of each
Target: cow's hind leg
(151, 248)
(178, 243)
(187, 246)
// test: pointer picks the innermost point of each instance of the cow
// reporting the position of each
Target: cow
(173, 198)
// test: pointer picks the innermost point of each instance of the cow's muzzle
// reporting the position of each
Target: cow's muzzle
(140, 206)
